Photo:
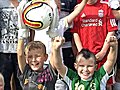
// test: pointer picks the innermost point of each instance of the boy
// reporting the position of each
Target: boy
(86, 78)
(36, 76)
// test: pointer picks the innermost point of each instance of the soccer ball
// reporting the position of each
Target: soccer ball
(37, 16)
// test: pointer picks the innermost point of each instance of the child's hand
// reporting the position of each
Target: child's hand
(112, 41)
(58, 42)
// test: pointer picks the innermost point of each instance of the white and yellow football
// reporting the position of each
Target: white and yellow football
(37, 16)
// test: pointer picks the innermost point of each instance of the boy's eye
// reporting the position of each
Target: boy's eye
(90, 65)
(38, 55)
(84, 66)
(81, 65)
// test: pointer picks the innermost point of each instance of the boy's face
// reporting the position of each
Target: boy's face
(36, 58)
(85, 68)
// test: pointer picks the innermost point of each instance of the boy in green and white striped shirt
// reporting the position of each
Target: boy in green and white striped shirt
(86, 77)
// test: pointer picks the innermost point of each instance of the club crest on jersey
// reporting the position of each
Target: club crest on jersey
(100, 13)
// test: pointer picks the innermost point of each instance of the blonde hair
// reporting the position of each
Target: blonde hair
(35, 45)
(2, 78)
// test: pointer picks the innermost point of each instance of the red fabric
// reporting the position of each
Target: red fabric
(78, 1)
(93, 36)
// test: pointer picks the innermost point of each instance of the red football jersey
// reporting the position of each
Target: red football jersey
(93, 24)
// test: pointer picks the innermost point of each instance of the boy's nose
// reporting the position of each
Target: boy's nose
(33, 59)
(85, 68)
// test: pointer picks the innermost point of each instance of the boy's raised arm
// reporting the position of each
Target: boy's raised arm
(112, 56)
(56, 60)
(77, 10)
(20, 55)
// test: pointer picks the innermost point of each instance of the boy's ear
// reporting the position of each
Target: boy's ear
(75, 65)
(46, 57)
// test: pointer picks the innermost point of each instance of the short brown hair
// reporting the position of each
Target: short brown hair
(35, 45)
(86, 54)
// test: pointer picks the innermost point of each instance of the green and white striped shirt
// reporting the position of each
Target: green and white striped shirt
(97, 82)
